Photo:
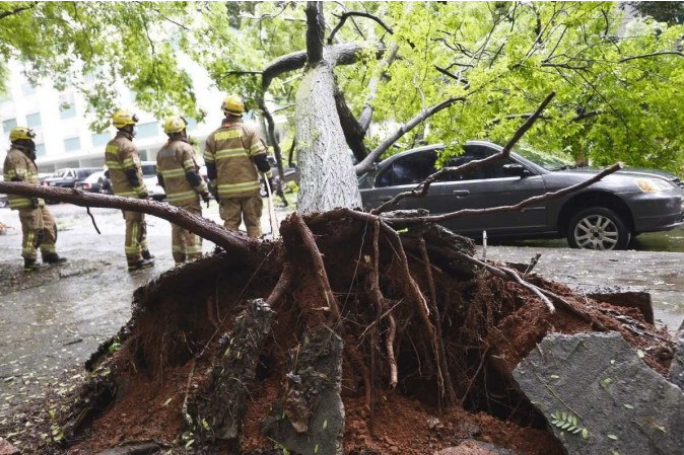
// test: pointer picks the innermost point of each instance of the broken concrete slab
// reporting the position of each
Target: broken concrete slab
(7, 449)
(600, 397)
(311, 419)
(677, 366)
(473, 447)
(628, 299)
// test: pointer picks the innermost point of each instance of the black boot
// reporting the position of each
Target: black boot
(147, 255)
(53, 258)
(30, 265)
(141, 264)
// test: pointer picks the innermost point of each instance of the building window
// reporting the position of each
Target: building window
(67, 111)
(148, 130)
(100, 140)
(40, 149)
(72, 144)
(8, 124)
(28, 88)
(33, 120)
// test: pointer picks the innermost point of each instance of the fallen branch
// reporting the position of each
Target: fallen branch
(230, 241)
(508, 208)
(423, 187)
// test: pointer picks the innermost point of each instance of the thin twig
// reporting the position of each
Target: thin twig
(533, 263)
(92, 218)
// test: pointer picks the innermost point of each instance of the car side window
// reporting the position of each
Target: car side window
(489, 171)
(411, 169)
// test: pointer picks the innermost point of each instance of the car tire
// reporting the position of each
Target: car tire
(598, 228)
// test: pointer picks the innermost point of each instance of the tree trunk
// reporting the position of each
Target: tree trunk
(328, 179)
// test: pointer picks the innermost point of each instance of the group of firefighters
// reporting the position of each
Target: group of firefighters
(235, 155)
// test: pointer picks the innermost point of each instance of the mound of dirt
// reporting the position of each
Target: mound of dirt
(430, 340)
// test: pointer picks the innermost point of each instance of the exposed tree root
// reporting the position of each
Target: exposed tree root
(424, 329)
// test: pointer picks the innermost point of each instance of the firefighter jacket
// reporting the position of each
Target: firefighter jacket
(232, 149)
(20, 168)
(123, 162)
(177, 172)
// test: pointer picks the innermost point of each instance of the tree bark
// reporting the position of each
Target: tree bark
(314, 32)
(328, 180)
(232, 242)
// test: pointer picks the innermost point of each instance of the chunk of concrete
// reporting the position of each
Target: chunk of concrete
(310, 421)
(677, 366)
(600, 398)
(628, 299)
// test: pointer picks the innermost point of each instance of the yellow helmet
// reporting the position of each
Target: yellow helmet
(123, 118)
(174, 124)
(21, 132)
(233, 105)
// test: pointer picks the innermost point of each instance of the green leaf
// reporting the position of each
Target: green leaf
(612, 436)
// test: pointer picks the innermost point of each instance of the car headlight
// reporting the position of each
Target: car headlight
(652, 185)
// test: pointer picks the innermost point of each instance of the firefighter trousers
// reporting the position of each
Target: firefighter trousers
(39, 231)
(136, 236)
(184, 244)
(233, 210)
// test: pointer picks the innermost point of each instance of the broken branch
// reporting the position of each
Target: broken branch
(423, 187)
(348, 14)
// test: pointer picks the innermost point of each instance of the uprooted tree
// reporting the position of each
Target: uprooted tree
(346, 335)
(343, 336)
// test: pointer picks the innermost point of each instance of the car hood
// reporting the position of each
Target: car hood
(627, 172)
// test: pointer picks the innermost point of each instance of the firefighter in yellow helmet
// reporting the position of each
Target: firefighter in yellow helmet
(178, 174)
(123, 163)
(37, 225)
(234, 155)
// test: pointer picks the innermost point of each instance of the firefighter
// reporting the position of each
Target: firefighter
(37, 225)
(123, 164)
(178, 174)
(233, 155)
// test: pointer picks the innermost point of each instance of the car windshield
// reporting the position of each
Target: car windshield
(546, 160)
(60, 173)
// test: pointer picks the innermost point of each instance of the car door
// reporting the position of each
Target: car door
(492, 186)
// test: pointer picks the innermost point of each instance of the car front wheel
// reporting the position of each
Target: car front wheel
(598, 228)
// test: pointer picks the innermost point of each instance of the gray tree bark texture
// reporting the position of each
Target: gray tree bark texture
(328, 180)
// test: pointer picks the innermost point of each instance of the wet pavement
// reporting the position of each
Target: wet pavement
(52, 320)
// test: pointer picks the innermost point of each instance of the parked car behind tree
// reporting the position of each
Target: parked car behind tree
(95, 183)
(604, 216)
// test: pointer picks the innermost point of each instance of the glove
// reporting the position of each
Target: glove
(35, 203)
(205, 197)
(143, 195)
(214, 192)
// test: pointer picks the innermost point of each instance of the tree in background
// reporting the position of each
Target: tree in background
(670, 12)
(417, 71)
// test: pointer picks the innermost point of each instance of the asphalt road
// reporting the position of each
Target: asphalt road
(52, 320)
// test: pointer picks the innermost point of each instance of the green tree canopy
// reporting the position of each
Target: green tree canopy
(619, 95)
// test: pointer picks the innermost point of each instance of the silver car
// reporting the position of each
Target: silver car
(604, 216)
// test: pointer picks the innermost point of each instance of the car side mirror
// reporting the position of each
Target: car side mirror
(515, 170)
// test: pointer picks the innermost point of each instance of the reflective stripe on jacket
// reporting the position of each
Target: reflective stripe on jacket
(174, 160)
(121, 155)
(19, 167)
(231, 149)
